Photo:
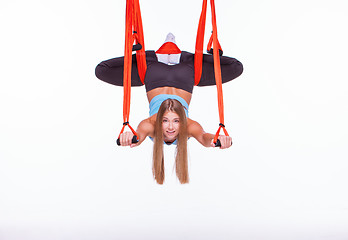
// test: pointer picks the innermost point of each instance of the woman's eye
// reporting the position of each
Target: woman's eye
(165, 120)
(176, 121)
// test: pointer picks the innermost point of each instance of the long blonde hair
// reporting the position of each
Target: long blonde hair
(181, 164)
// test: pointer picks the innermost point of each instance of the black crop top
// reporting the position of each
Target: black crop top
(159, 74)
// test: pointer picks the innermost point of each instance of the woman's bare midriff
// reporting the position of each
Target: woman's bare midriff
(169, 90)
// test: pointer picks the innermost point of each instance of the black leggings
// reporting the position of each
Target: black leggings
(161, 75)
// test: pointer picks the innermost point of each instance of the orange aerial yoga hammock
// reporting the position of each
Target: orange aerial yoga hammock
(217, 51)
(134, 33)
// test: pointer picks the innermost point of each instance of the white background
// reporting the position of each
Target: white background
(63, 177)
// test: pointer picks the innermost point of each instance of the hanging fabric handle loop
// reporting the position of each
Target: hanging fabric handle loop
(130, 127)
(217, 134)
(211, 51)
(137, 46)
(209, 46)
(135, 138)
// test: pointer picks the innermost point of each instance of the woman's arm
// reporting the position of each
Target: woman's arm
(206, 139)
(144, 129)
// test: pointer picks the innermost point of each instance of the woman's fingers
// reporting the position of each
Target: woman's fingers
(226, 141)
(126, 138)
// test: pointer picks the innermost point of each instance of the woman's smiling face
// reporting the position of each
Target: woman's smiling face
(170, 126)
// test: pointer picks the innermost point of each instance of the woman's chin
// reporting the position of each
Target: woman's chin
(170, 138)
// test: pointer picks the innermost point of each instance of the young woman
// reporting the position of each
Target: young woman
(170, 125)
(170, 76)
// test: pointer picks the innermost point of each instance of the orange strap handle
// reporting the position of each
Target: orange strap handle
(217, 68)
(134, 32)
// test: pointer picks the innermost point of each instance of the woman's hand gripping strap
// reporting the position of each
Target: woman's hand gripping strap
(210, 50)
(135, 138)
(216, 140)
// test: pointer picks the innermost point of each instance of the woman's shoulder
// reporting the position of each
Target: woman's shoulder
(193, 128)
(191, 122)
(148, 125)
(148, 122)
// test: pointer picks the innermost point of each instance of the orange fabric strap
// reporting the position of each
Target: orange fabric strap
(134, 33)
(199, 59)
(199, 43)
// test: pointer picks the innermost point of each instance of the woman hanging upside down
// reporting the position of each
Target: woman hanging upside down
(169, 82)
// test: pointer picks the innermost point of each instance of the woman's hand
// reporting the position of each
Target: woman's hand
(126, 139)
(145, 128)
(226, 141)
